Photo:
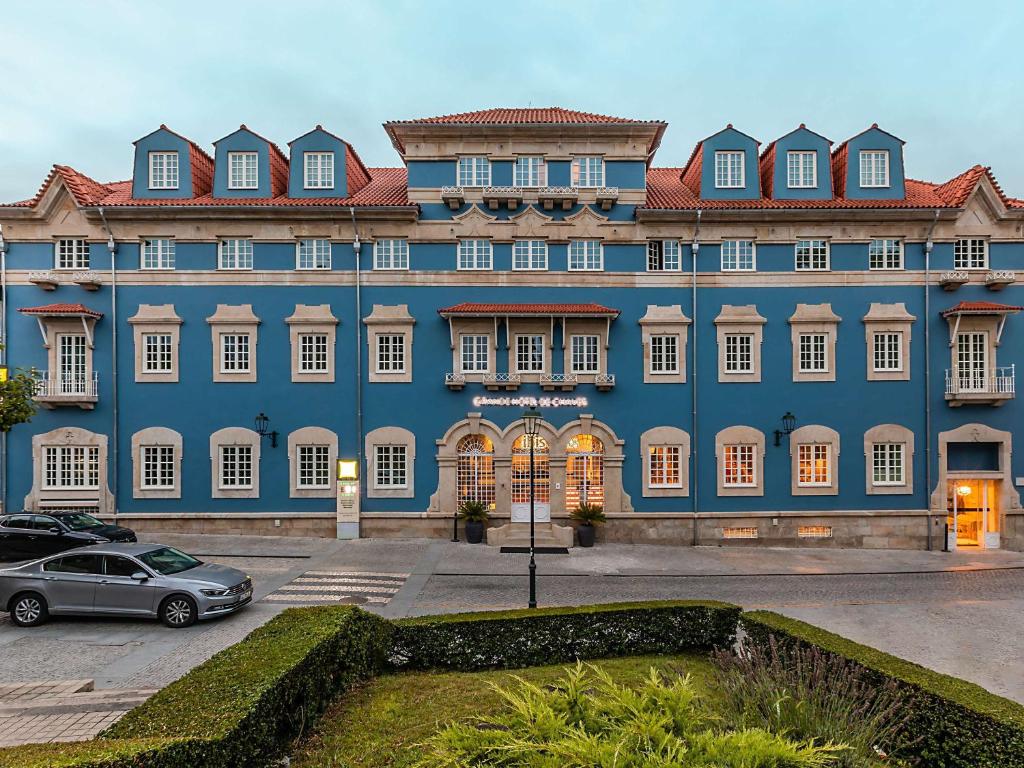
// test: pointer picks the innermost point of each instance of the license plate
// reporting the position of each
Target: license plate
(245, 596)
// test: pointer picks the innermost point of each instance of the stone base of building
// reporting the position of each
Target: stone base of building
(151, 525)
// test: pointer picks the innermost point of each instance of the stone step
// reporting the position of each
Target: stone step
(26, 691)
(106, 700)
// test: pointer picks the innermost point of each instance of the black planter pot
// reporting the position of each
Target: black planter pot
(474, 532)
(585, 534)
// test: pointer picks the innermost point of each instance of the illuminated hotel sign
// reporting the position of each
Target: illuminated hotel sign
(531, 402)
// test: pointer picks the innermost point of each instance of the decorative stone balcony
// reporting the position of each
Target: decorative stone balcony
(607, 197)
(453, 197)
(455, 381)
(998, 279)
(992, 387)
(563, 381)
(495, 197)
(604, 382)
(496, 381)
(47, 280)
(54, 389)
(566, 197)
(951, 280)
(89, 280)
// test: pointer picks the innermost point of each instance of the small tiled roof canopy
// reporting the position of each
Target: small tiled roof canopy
(61, 310)
(980, 308)
(490, 310)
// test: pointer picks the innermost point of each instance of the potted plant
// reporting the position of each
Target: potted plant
(587, 515)
(475, 515)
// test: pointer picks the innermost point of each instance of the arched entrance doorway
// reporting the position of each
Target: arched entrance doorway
(520, 485)
(476, 471)
(584, 472)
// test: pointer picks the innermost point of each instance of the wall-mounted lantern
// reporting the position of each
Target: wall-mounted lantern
(788, 424)
(262, 425)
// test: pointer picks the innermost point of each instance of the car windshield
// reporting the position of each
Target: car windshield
(79, 521)
(168, 560)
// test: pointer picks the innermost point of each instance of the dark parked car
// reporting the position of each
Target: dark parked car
(29, 535)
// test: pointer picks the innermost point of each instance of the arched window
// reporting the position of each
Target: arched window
(584, 472)
(476, 470)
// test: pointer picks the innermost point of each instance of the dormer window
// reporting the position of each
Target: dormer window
(318, 170)
(802, 170)
(474, 172)
(588, 172)
(242, 167)
(729, 170)
(163, 170)
(530, 172)
(874, 168)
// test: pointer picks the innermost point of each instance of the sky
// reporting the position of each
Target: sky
(82, 80)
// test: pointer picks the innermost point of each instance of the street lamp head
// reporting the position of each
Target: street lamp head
(963, 490)
(261, 424)
(531, 421)
(788, 423)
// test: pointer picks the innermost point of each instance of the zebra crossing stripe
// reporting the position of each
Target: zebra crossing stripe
(346, 580)
(359, 574)
(339, 590)
(278, 598)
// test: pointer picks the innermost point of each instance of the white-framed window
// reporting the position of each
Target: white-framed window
(874, 168)
(739, 466)
(586, 256)
(475, 254)
(157, 356)
(530, 172)
(588, 171)
(158, 467)
(235, 466)
(888, 351)
(814, 465)
(729, 171)
(235, 254)
(813, 358)
(391, 353)
(530, 255)
(234, 352)
(474, 353)
(72, 361)
(738, 256)
(970, 253)
(391, 254)
(802, 169)
(163, 170)
(664, 466)
(474, 172)
(157, 254)
(313, 254)
(664, 256)
(71, 466)
(391, 465)
(739, 352)
(530, 353)
(888, 464)
(318, 170)
(812, 256)
(886, 253)
(313, 352)
(71, 254)
(313, 463)
(584, 354)
(665, 354)
(242, 170)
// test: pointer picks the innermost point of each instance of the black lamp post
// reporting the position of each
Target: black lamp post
(531, 422)
(262, 422)
(788, 423)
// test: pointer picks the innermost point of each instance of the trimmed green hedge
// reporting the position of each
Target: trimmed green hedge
(510, 639)
(956, 724)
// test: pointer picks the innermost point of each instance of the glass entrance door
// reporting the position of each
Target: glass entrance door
(71, 354)
(973, 515)
(972, 361)
(521, 480)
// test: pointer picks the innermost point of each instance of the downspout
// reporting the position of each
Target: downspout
(695, 442)
(115, 451)
(357, 247)
(928, 245)
(3, 361)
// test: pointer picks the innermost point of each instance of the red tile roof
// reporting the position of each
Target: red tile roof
(766, 167)
(470, 308)
(524, 116)
(690, 175)
(356, 174)
(980, 308)
(61, 309)
(840, 158)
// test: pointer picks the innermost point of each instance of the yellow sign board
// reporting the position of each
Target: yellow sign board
(3, 373)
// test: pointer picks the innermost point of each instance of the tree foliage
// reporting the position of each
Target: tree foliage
(16, 403)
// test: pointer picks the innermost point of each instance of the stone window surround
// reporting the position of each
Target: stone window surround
(991, 324)
(889, 433)
(585, 326)
(814, 434)
(390, 436)
(888, 318)
(37, 497)
(528, 326)
(311, 436)
(740, 435)
(815, 318)
(312, 319)
(1009, 496)
(162, 319)
(666, 436)
(389, 319)
(474, 326)
(234, 436)
(52, 327)
(240, 319)
(664, 321)
(152, 436)
(741, 318)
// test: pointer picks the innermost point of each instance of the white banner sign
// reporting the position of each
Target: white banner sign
(531, 402)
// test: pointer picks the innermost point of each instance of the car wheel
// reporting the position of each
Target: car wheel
(178, 611)
(29, 610)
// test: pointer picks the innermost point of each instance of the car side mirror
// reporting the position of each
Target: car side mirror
(55, 529)
(140, 576)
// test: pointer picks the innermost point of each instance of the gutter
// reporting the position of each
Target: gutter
(695, 442)
(3, 361)
(116, 432)
(928, 245)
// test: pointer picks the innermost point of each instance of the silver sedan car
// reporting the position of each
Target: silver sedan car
(138, 580)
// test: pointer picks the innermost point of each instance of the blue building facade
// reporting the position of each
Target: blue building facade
(791, 343)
